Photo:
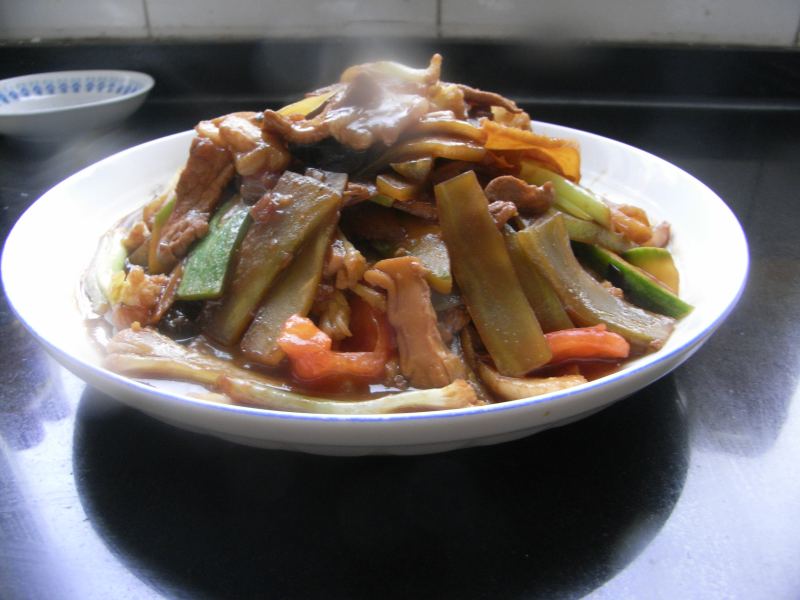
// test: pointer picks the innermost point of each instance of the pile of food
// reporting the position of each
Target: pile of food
(389, 243)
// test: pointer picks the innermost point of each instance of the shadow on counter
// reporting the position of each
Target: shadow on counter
(555, 514)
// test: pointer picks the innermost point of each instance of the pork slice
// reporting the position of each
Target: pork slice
(502, 211)
(478, 97)
(424, 359)
(207, 172)
(529, 199)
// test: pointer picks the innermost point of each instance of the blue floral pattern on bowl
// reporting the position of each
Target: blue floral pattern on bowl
(105, 85)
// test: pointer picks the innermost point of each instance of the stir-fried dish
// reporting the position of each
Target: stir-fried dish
(389, 243)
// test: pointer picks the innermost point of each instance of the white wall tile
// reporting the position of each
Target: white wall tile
(23, 19)
(751, 22)
(291, 18)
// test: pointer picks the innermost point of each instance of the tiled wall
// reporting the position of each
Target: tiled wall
(741, 22)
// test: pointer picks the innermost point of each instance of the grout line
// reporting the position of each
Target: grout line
(439, 18)
(147, 19)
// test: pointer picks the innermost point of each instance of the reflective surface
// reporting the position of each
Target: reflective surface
(688, 489)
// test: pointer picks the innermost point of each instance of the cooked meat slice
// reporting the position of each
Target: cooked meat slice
(209, 130)
(520, 120)
(377, 103)
(344, 263)
(355, 126)
(334, 316)
(356, 192)
(661, 233)
(419, 208)
(634, 212)
(272, 202)
(448, 96)
(300, 131)
(397, 73)
(424, 359)
(502, 211)
(136, 236)
(478, 97)
(529, 199)
(207, 172)
(255, 151)
(452, 321)
(630, 226)
(253, 187)
(383, 122)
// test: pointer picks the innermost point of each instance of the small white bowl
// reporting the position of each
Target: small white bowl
(63, 103)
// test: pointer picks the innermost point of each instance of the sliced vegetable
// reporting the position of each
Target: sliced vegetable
(396, 187)
(207, 265)
(486, 277)
(586, 342)
(656, 261)
(424, 240)
(108, 261)
(334, 180)
(546, 242)
(444, 123)
(567, 192)
(643, 289)
(306, 106)
(458, 394)
(154, 265)
(417, 170)
(569, 208)
(561, 155)
(580, 230)
(268, 248)
(143, 352)
(382, 200)
(292, 294)
(514, 388)
(537, 289)
(311, 357)
(432, 147)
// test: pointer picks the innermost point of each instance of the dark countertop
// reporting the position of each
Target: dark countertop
(687, 489)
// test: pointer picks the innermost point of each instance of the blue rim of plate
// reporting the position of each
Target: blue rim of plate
(656, 359)
(108, 85)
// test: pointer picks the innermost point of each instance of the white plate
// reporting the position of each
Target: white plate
(54, 241)
(62, 103)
